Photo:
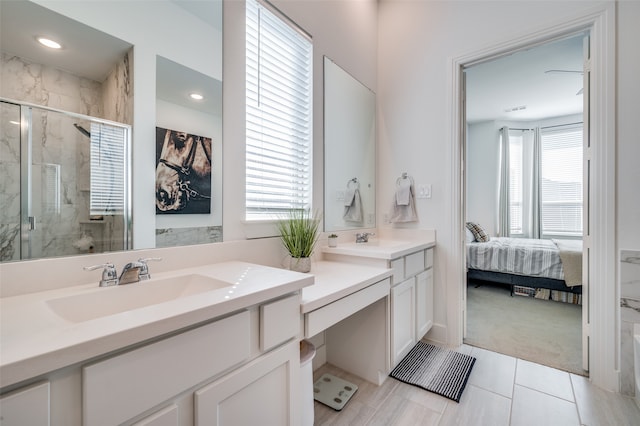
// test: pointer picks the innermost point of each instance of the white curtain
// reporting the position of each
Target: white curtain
(534, 223)
(503, 185)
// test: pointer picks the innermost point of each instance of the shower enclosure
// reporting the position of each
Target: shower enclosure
(64, 183)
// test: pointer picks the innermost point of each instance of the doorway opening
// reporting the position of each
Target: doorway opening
(524, 155)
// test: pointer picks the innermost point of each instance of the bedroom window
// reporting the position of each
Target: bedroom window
(545, 182)
(278, 116)
(561, 181)
(515, 184)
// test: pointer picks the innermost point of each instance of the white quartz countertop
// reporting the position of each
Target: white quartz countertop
(380, 248)
(34, 339)
(335, 280)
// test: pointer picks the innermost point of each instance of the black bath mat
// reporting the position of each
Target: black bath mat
(437, 370)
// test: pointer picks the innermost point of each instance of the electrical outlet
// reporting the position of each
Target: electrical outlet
(339, 195)
(371, 219)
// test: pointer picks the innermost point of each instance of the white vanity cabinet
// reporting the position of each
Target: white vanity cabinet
(411, 301)
(411, 293)
(231, 370)
(250, 358)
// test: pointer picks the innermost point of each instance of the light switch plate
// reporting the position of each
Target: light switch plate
(424, 191)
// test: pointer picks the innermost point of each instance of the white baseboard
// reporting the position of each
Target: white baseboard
(437, 334)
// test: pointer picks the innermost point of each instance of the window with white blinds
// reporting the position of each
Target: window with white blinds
(516, 184)
(561, 181)
(108, 150)
(279, 115)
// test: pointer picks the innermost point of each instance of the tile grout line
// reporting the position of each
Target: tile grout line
(513, 391)
(575, 398)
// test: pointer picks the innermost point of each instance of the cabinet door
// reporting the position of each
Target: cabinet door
(402, 320)
(424, 303)
(264, 392)
(29, 406)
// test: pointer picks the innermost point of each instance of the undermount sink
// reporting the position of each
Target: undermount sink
(103, 302)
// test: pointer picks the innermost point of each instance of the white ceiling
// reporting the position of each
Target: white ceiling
(520, 80)
(174, 82)
(492, 87)
(92, 54)
(86, 52)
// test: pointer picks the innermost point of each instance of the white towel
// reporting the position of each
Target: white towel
(349, 194)
(404, 212)
(353, 211)
(403, 192)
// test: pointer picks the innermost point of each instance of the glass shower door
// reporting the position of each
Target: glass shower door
(9, 181)
(59, 172)
(64, 184)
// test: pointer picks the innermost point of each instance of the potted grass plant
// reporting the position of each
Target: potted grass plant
(299, 234)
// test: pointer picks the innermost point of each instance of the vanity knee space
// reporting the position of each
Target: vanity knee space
(353, 312)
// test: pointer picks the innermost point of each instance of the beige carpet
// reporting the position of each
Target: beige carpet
(541, 331)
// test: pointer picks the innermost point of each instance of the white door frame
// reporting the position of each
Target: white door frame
(600, 244)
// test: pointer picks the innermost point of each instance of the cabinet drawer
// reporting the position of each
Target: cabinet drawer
(124, 386)
(279, 321)
(428, 258)
(323, 318)
(414, 263)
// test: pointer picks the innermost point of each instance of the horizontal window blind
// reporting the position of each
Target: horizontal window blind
(561, 181)
(279, 115)
(107, 170)
(516, 187)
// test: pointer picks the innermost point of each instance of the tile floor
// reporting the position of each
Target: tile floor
(501, 390)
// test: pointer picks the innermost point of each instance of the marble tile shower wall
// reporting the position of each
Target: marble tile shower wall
(630, 314)
(59, 151)
(174, 237)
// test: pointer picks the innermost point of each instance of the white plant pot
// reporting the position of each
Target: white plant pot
(300, 264)
(333, 242)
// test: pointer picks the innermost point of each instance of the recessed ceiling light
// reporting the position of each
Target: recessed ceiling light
(49, 43)
(196, 96)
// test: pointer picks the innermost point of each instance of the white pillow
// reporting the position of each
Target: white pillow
(469, 235)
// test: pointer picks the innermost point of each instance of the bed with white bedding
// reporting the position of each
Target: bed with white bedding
(527, 262)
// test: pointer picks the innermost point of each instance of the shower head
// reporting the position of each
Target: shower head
(82, 130)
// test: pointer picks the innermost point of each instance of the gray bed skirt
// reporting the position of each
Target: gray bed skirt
(521, 280)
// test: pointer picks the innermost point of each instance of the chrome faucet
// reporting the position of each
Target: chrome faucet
(109, 274)
(131, 273)
(363, 237)
(136, 271)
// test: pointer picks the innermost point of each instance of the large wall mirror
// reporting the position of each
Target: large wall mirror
(349, 151)
(86, 89)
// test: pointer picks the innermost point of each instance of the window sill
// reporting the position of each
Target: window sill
(260, 229)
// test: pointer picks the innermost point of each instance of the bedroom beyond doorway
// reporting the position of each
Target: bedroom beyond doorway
(524, 190)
